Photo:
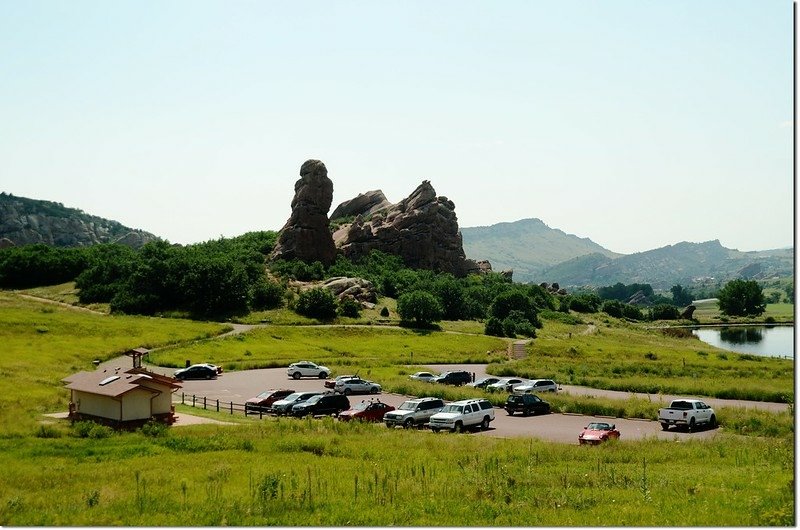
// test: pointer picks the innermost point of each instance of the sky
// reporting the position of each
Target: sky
(637, 124)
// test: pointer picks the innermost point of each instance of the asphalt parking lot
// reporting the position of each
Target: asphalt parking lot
(237, 387)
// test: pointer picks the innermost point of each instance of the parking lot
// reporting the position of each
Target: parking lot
(237, 387)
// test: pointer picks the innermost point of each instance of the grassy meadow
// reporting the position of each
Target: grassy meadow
(287, 472)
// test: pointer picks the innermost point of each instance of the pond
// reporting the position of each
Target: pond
(769, 341)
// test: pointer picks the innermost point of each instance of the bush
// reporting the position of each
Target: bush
(419, 306)
(494, 327)
(317, 303)
(585, 303)
(664, 312)
(267, 294)
(90, 429)
(349, 307)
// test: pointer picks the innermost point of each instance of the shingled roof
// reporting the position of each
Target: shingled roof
(115, 382)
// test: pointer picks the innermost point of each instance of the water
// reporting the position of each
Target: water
(769, 341)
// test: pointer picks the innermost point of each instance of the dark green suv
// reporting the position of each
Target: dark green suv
(526, 404)
(322, 405)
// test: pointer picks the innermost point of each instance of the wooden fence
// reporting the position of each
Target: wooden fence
(219, 406)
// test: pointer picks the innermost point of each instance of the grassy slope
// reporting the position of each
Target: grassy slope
(286, 472)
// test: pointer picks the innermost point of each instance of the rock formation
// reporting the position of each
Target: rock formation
(306, 235)
(422, 229)
(688, 313)
(364, 204)
(357, 288)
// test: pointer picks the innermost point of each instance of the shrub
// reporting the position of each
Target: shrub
(494, 327)
(664, 312)
(585, 303)
(349, 307)
(317, 303)
(419, 306)
(268, 294)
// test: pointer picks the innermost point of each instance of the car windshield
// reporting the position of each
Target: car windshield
(266, 394)
(454, 408)
(408, 405)
(313, 399)
(361, 406)
(293, 397)
(599, 427)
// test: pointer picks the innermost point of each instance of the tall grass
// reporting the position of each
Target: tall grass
(323, 473)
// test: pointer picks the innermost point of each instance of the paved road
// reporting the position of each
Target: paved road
(238, 386)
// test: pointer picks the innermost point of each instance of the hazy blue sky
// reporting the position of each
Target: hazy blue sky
(635, 123)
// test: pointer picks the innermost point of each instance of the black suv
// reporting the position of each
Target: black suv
(526, 403)
(454, 378)
(322, 404)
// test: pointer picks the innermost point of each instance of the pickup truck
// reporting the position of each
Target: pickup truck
(687, 412)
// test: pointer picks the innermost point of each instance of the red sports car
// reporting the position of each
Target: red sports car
(366, 411)
(598, 432)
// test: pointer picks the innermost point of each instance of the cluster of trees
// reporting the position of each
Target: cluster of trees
(228, 276)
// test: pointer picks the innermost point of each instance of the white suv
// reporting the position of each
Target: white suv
(537, 385)
(460, 415)
(307, 369)
(356, 385)
(414, 412)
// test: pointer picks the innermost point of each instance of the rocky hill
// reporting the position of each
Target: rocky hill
(682, 263)
(26, 221)
(528, 247)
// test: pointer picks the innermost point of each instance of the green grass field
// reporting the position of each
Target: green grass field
(287, 472)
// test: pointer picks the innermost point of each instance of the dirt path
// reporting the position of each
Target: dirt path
(61, 304)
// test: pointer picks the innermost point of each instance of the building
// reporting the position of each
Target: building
(122, 398)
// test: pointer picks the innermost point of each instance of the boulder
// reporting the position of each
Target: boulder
(364, 204)
(357, 288)
(306, 235)
(688, 312)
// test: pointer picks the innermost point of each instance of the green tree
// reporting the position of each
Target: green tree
(494, 327)
(317, 303)
(664, 312)
(680, 296)
(349, 307)
(741, 298)
(421, 307)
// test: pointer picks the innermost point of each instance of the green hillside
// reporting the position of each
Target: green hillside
(527, 246)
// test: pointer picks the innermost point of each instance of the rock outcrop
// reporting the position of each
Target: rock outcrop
(25, 221)
(422, 229)
(306, 235)
(357, 288)
(364, 204)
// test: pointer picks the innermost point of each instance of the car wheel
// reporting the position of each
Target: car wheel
(664, 426)
(510, 412)
(691, 425)
(296, 375)
(373, 390)
(408, 423)
(436, 431)
(485, 423)
(323, 375)
(713, 422)
(346, 392)
(459, 427)
(208, 376)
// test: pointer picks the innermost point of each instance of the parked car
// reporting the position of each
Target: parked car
(687, 412)
(505, 384)
(357, 386)
(422, 376)
(484, 382)
(536, 385)
(598, 432)
(331, 383)
(307, 369)
(526, 404)
(263, 402)
(457, 378)
(461, 415)
(414, 412)
(366, 411)
(196, 371)
(284, 406)
(321, 405)
(214, 367)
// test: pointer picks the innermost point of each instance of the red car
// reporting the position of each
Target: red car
(263, 402)
(598, 432)
(366, 411)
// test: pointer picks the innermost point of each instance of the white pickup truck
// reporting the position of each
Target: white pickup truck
(687, 412)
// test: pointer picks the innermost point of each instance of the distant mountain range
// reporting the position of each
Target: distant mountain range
(538, 254)
(26, 221)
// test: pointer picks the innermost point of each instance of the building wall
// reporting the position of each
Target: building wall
(95, 405)
(136, 405)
